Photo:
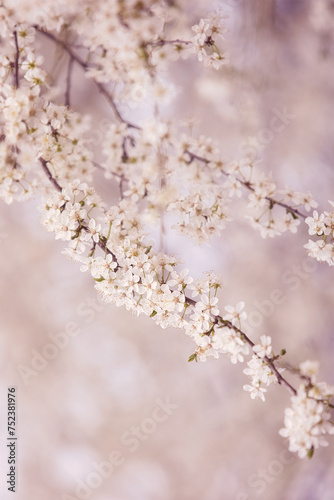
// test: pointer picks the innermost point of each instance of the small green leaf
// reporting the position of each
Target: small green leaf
(153, 313)
(101, 278)
(283, 351)
(310, 452)
(192, 357)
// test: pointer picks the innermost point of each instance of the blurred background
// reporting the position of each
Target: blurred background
(121, 390)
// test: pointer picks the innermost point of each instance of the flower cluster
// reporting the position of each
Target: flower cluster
(308, 420)
(260, 375)
(128, 272)
(33, 127)
(207, 31)
(153, 167)
(19, 111)
(322, 226)
(259, 370)
(277, 210)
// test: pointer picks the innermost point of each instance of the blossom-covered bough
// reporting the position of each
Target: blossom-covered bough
(125, 47)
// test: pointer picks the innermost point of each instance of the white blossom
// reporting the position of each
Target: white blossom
(306, 424)
(264, 348)
(235, 314)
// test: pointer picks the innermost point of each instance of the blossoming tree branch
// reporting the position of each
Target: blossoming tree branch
(125, 47)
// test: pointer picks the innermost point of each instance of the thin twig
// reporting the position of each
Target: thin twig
(270, 363)
(16, 61)
(49, 175)
(63, 45)
(248, 186)
(87, 66)
(160, 43)
(68, 82)
(111, 101)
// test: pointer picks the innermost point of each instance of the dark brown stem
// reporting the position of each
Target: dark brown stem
(111, 101)
(16, 61)
(104, 247)
(68, 82)
(160, 43)
(270, 362)
(62, 44)
(243, 336)
(288, 208)
(49, 175)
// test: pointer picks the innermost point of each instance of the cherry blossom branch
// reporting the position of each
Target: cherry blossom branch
(139, 281)
(108, 96)
(248, 185)
(303, 399)
(217, 319)
(193, 156)
(100, 243)
(270, 362)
